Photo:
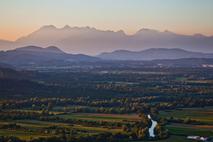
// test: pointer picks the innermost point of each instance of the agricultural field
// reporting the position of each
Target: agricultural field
(102, 117)
(201, 121)
(203, 115)
(28, 129)
(181, 129)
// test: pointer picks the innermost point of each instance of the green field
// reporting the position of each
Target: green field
(188, 130)
(32, 129)
(178, 132)
(101, 117)
(204, 115)
(42, 124)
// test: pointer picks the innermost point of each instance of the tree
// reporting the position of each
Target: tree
(161, 132)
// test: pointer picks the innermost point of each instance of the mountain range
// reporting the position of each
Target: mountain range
(153, 54)
(33, 55)
(91, 41)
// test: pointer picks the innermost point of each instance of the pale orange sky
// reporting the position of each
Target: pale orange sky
(21, 17)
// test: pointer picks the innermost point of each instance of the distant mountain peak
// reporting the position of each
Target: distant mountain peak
(48, 27)
(50, 49)
(54, 49)
(165, 49)
(169, 32)
(147, 30)
(29, 48)
(121, 32)
(198, 35)
(66, 27)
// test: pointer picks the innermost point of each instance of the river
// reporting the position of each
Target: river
(151, 129)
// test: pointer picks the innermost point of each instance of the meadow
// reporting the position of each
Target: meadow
(203, 115)
(102, 117)
(202, 119)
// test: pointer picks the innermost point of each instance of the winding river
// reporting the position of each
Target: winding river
(151, 129)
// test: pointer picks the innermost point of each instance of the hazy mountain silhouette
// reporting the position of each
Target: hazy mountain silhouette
(38, 55)
(6, 45)
(153, 54)
(91, 41)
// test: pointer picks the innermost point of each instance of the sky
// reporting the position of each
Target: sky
(21, 17)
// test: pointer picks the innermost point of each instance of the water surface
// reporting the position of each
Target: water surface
(151, 129)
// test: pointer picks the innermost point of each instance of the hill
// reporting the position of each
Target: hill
(153, 54)
(33, 55)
